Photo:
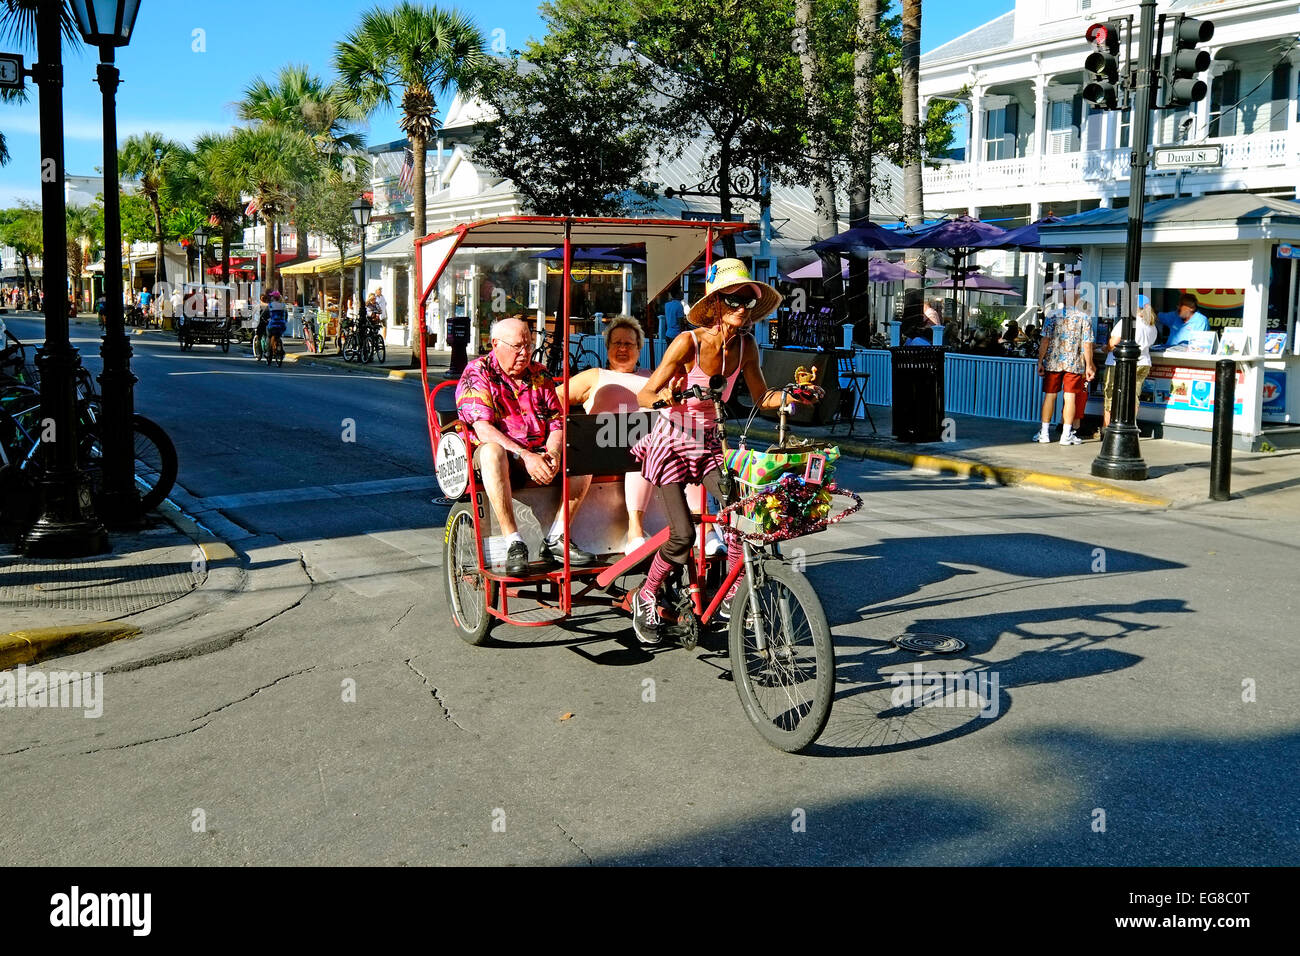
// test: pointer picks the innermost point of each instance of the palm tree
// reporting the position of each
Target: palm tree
(196, 179)
(913, 199)
(272, 163)
(300, 100)
(85, 237)
(147, 158)
(22, 229)
(420, 50)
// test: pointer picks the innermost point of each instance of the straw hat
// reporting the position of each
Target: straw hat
(723, 274)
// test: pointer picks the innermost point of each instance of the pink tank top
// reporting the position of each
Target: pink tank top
(696, 408)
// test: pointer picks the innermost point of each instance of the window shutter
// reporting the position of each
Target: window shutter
(1223, 95)
(1012, 116)
(1281, 95)
(1076, 121)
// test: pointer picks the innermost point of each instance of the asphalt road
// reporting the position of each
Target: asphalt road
(1144, 711)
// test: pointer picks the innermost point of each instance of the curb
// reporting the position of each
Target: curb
(996, 473)
(320, 361)
(39, 643)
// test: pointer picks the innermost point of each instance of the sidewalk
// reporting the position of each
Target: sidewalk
(396, 364)
(1002, 452)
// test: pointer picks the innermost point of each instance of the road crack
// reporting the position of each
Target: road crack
(141, 743)
(254, 693)
(575, 844)
(446, 714)
(401, 619)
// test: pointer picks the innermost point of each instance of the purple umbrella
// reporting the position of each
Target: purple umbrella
(878, 270)
(960, 233)
(1025, 237)
(594, 254)
(862, 241)
(977, 283)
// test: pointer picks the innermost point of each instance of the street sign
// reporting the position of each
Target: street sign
(1169, 157)
(11, 71)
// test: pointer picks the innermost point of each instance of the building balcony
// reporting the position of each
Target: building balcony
(1248, 162)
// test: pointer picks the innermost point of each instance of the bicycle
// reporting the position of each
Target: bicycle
(548, 354)
(372, 344)
(273, 350)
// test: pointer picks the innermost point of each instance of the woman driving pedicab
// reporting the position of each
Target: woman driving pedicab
(685, 445)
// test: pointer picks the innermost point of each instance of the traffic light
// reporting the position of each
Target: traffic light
(1185, 62)
(1102, 65)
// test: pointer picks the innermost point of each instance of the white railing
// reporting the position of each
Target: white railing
(1259, 151)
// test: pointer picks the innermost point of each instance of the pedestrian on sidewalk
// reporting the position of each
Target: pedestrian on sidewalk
(1144, 334)
(1065, 361)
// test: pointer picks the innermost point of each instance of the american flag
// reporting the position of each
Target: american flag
(406, 178)
(252, 208)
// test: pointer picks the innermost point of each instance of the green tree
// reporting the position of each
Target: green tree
(147, 158)
(197, 179)
(85, 239)
(272, 163)
(571, 133)
(300, 100)
(418, 50)
(21, 229)
(327, 211)
(137, 217)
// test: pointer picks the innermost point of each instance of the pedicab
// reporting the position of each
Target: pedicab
(197, 321)
(779, 643)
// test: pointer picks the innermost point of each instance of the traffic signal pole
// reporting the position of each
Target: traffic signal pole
(1121, 456)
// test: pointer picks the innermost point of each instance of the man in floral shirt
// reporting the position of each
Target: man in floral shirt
(510, 405)
(1065, 361)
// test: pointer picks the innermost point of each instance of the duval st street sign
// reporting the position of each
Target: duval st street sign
(1169, 157)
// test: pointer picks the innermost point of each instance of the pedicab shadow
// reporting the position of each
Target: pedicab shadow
(889, 699)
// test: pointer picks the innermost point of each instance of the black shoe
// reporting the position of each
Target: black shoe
(577, 557)
(645, 619)
(517, 559)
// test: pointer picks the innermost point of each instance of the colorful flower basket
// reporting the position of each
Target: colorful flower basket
(777, 503)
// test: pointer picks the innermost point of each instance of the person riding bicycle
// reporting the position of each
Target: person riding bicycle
(685, 445)
(276, 321)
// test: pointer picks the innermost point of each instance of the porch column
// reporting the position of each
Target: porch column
(1293, 104)
(471, 306)
(627, 277)
(1040, 124)
(1254, 319)
(1034, 264)
(541, 299)
(976, 134)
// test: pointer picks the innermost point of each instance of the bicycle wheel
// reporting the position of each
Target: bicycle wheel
(787, 686)
(381, 351)
(156, 463)
(468, 591)
(582, 360)
(367, 348)
(351, 348)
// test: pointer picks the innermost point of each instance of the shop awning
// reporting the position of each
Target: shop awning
(320, 266)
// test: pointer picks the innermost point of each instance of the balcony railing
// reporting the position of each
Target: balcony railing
(1259, 151)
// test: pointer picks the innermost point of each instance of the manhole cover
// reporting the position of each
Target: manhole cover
(442, 501)
(934, 643)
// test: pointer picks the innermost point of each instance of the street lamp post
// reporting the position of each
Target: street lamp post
(108, 24)
(66, 525)
(361, 210)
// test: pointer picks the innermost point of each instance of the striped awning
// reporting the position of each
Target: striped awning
(319, 266)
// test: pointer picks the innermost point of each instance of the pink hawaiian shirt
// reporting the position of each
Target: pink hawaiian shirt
(527, 410)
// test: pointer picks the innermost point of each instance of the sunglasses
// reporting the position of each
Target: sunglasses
(739, 300)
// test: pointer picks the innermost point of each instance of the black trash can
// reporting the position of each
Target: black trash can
(918, 392)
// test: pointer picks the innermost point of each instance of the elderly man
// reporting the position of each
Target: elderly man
(510, 404)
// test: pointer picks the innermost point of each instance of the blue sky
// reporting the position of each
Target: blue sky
(188, 63)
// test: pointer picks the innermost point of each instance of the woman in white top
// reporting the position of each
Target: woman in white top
(1144, 334)
(615, 389)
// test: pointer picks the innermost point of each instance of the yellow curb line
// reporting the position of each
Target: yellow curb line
(996, 473)
(38, 643)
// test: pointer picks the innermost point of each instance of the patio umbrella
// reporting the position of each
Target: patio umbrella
(596, 254)
(863, 240)
(977, 282)
(959, 237)
(1025, 237)
(878, 270)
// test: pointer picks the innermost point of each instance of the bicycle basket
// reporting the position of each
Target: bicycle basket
(777, 503)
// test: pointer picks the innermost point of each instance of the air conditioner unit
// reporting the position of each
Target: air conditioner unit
(1058, 141)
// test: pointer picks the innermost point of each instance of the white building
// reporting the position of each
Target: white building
(1034, 147)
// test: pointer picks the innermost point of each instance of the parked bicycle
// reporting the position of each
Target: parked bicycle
(548, 354)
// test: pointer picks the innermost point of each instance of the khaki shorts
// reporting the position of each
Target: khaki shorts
(1108, 390)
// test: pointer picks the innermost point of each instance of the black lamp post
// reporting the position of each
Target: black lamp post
(200, 246)
(361, 209)
(107, 24)
(66, 525)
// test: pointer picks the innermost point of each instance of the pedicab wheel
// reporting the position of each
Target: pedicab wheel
(785, 688)
(468, 591)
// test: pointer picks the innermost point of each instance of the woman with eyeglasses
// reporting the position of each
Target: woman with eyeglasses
(615, 389)
(685, 445)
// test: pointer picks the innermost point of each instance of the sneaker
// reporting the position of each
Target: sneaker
(724, 609)
(1040, 437)
(645, 619)
(633, 544)
(1071, 438)
(517, 559)
(713, 544)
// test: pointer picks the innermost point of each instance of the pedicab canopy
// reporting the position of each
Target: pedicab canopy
(671, 245)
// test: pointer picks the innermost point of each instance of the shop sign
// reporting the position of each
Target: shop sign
(1274, 392)
(1184, 388)
(452, 466)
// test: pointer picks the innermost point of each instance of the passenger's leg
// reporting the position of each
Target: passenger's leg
(494, 464)
(636, 493)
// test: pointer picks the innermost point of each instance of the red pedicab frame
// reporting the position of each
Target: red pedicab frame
(670, 251)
